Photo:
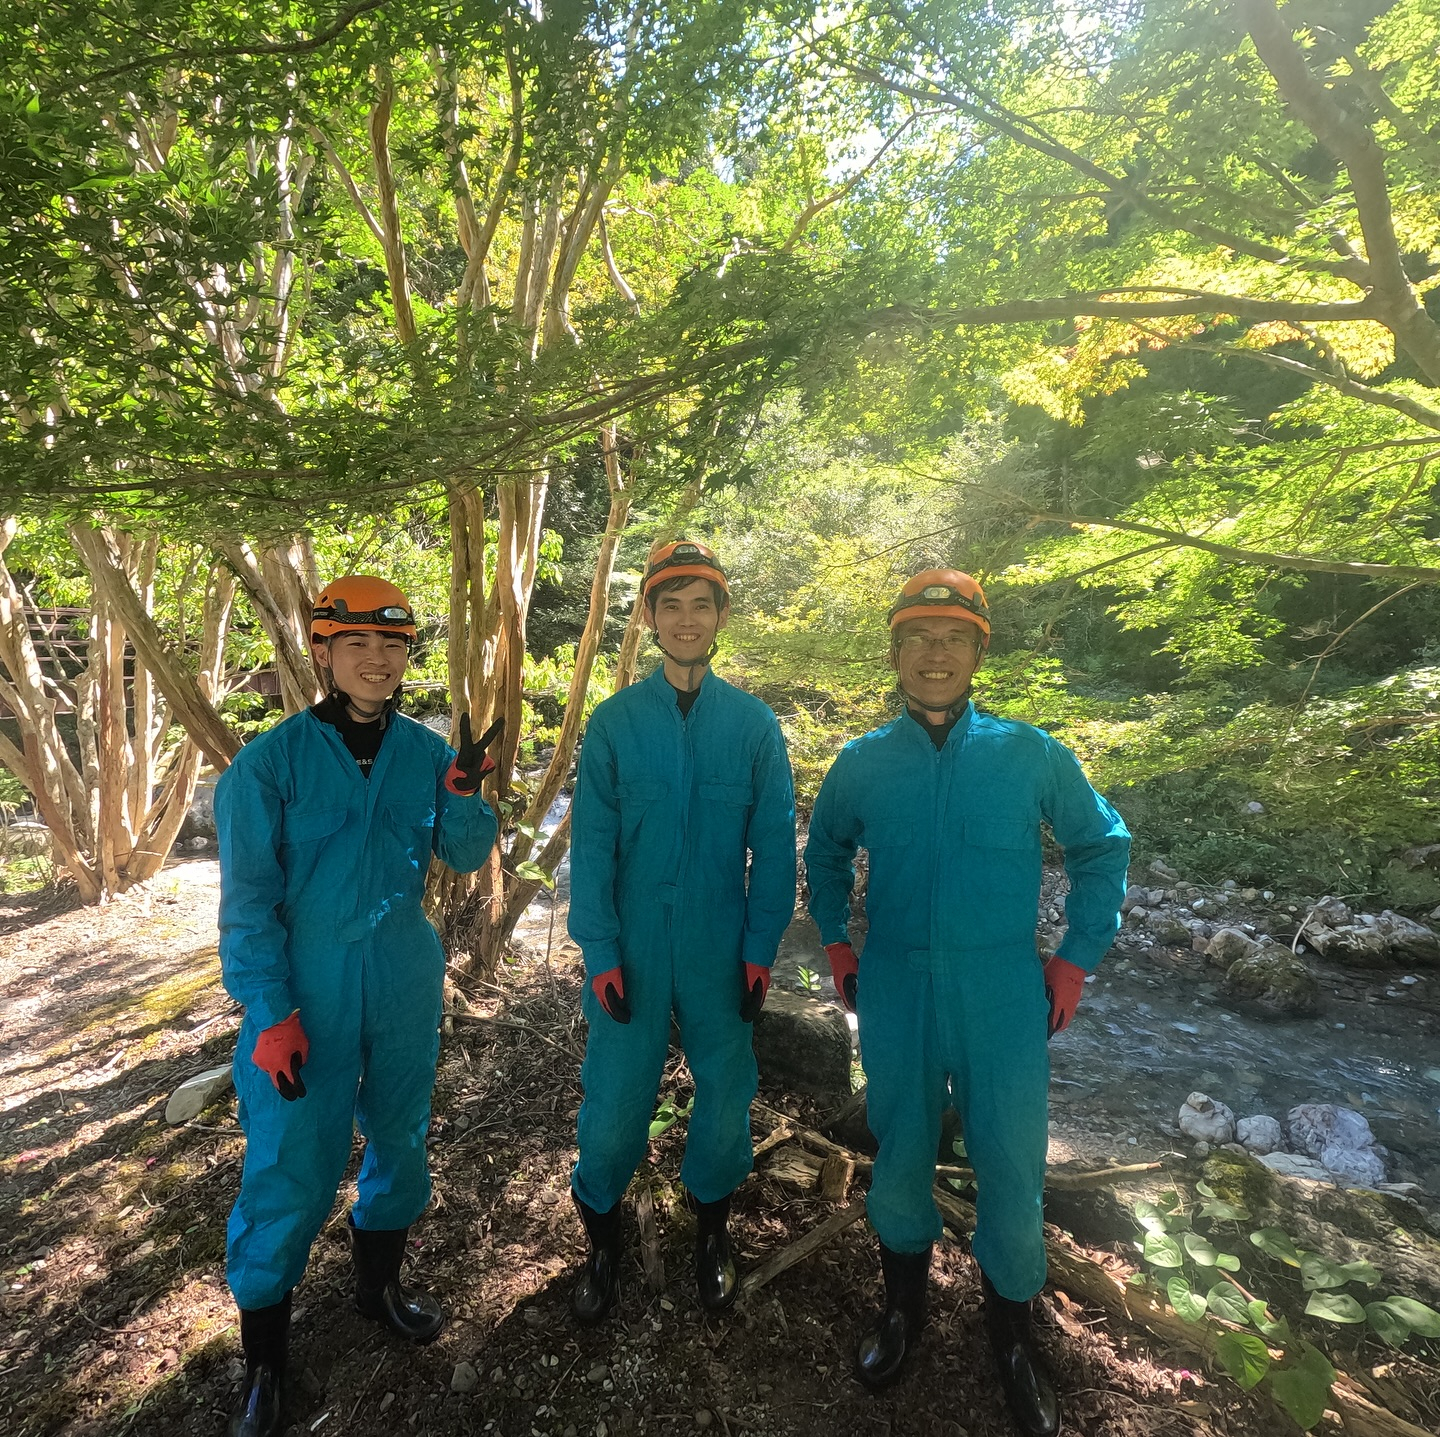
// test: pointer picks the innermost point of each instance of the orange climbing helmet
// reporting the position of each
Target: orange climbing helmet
(361, 601)
(685, 558)
(943, 593)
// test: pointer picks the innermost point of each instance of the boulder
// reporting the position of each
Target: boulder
(1228, 946)
(1205, 1120)
(199, 822)
(1353, 944)
(1273, 983)
(196, 1094)
(1292, 1165)
(1317, 1129)
(1409, 939)
(804, 1044)
(1260, 1135)
(1355, 1167)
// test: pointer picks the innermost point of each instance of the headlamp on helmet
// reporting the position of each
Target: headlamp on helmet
(686, 558)
(364, 603)
(942, 593)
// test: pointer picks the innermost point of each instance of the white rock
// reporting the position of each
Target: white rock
(1292, 1165)
(196, 1094)
(1267, 895)
(464, 1378)
(1317, 1126)
(1358, 1167)
(1205, 1120)
(1254, 806)
(1260, 1134)
(1228, 946)
(1161, 869)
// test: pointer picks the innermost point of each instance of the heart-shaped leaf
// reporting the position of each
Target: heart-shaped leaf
(1244, 1356)
(1276, 1242)
(1418, 1317)
(1388, 1326)
(1201, 1249)
(1364, 1272)
(1227, 1301)
(1162, 1250)
(1225, 1212)
(1318, 1272)
(1149, 1216)
(1303, 1388)
(1334, 1307)
(1188, 1304)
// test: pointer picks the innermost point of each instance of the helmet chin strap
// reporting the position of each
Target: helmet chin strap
(953, 710)
(690, 665)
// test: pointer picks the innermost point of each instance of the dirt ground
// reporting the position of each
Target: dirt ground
(115, 1317)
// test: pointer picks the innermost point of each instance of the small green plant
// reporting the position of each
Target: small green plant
(668, 1114)
(1198, 1279)
(807, 980)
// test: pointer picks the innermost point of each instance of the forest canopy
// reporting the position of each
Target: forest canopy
(1128, 308)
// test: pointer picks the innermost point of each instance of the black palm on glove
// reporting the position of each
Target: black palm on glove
(472, 763)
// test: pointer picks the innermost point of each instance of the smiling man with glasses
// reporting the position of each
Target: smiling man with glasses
(954, 1004)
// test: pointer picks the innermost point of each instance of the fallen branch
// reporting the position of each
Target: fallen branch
(802, 1248)
(650, 1258)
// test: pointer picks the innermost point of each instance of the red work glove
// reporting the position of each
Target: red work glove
(845, 970)
(281, 1050)
(757, 985)
(610, 990)
(1064, 984)
(471, 762)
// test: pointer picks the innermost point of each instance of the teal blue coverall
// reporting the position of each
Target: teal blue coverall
(322, 873)
(666, 810)
(950, 983)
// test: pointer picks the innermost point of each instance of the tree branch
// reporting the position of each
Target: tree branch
(395, 266)
(1016, 128)
(198, 58)
(1401, 403)
(1093, 305)
(348, 180)
(1353, 144)
(1232, 553)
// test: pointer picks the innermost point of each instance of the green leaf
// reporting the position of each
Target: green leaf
(1334, 1307)
(1204, 1189)
(1421, 1319)
(1162, 1250)
(1168, 1201)
(1276, 1241)
(1187, 1303)
(1201, 1249)
(533, 873)
(1276, 1329)
(1244, 1356)
(1227, 1301)
(1364, 1272)
(1228, 1261)
(1303, 1389)
(1388, 1325)
(1149, 1217)
(1317, 1271)
(1225, 1212)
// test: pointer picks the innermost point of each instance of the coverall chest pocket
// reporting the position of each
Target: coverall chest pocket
(1001, 861)
(414, 825)
(300, 826)
(637, 798)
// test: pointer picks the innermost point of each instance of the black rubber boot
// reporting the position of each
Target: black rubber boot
(379, 1293)
(880, 1358)
(593, 1295)
(1029, 1392)
(716, 1281)
(265, 1336)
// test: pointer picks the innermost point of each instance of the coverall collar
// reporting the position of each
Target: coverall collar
(916, 729)
(662, 690)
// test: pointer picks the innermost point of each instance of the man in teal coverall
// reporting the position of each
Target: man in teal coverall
(680, 778)
(953, 1002)
(327, 824)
